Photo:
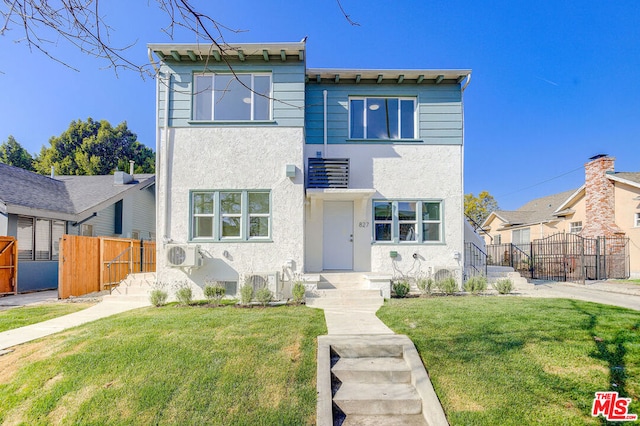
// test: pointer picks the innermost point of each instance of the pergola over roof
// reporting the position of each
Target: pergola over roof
(201, 51)
(386, 75)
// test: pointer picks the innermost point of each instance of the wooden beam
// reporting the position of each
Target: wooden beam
(420, 78)
(283, 55)
(379, 79)
(318, 78)
(192, 55)
(175, 55)
(241, 55)
(216, 55)
(439, 79)
(306, 78)
(160, 54)
(337, 78)
(459, 80)
(400, 78)
(265, 55)
(358, 77)
(301, 55)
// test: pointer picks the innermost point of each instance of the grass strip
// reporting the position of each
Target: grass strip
(26, 315)
(514, 361)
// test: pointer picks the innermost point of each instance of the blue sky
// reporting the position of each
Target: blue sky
(554, 82)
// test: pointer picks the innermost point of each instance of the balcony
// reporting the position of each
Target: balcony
(328, 173)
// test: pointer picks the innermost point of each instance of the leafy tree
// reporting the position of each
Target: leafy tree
(94, 148)
(480, 207)
(13, 154)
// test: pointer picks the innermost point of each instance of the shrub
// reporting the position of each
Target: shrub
(298, 291)
(214, 292)
(400, 288)
(504, 286)
(158, 297)
(448, 285)
(425, 285)
(184, 294)
(246, 294)
(475, 284)
(264, 296)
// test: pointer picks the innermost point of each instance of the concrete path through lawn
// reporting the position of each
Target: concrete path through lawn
(31, 332)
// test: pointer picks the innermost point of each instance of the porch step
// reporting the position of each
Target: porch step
(372, 370)
(495, 273)
(378, 399)
(394, 420)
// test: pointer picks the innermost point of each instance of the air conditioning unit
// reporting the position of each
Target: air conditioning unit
(270, 280)
(183, 256)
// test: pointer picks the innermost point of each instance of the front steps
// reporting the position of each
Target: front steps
(494, 273)
(337, 290)
(374, 380)
(134, 288)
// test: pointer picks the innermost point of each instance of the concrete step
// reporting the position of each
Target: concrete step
(348, 294)
(378, 399)
(126, 297)
(372, 370)
(403, 420)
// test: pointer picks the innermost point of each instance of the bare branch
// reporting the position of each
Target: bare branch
(346, 16)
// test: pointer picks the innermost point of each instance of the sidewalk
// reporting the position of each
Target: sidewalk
(31, 332)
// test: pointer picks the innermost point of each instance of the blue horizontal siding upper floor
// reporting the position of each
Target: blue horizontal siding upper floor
(439, 110)
(288, 90)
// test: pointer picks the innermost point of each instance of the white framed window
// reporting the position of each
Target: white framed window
(39, 239)
(401, 221)
(575, 227)
(231, 215)
(637, 220)
(521, 236)
(229, 97)
(497, 239)
(86, 230)
(382, 118)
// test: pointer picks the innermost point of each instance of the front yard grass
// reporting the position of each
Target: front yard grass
(26, 315)
(170, 365)
(507, 360)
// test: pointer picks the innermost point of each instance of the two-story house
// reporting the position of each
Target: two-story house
(266, 166)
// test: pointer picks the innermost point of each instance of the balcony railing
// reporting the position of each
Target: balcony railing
(328, 173)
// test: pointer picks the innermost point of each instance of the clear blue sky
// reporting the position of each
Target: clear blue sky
(554, 82)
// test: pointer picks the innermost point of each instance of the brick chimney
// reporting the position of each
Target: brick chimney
(599, 199)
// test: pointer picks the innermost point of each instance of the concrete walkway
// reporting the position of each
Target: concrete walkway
(104, 309)
(16, 300)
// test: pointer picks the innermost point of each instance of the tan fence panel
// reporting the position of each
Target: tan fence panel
(8, 265)
(78, 266)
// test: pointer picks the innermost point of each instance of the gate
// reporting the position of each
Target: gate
(8, 265)
(570, 257)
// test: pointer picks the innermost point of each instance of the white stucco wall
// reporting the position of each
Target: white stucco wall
(397, 171)
(224, 158)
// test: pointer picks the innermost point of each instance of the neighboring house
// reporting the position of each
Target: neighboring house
(38, 210)
(607, 205)
(298, 170)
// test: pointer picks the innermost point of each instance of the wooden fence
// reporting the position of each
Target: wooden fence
(8, 265)
(90, 264)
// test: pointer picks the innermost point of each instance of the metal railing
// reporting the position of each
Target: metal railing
(328, 173)
(131, 260)
(475, 261)
(517, 256)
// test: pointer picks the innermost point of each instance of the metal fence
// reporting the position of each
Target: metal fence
(565, 257)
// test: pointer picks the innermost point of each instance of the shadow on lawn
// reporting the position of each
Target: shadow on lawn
(611, 350)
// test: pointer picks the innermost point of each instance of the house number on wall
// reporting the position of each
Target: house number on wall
(363, 224)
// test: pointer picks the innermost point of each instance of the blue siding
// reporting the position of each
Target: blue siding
(37, 275)
(439, 110)
(288, 91)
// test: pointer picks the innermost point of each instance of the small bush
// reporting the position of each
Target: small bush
(264, 296)
(400, 288)
(298, 291)
(425, 285)
(246, 294)
(158, 297)
(214, 292)
(448, 285)
(475, 285)
(184, 294)
(504, 286)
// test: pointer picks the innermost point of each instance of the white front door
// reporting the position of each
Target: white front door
(337, 235)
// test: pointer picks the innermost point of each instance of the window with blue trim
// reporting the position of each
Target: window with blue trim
(382, 118)
(229, 97)
(230, 215)
(401, 221)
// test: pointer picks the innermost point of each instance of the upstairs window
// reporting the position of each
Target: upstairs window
(229, 97)
(382, 118)
(637, 221)
(575, 227)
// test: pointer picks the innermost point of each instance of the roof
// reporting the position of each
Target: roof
(411, 76)
(535, 211)
(631, 178)
(179, 52)
(63, 197)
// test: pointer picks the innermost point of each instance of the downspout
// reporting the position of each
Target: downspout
(165, 162)
(324, 104)
(462, 173)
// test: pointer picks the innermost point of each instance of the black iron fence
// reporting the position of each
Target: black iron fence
(565, 257)
(475, 261)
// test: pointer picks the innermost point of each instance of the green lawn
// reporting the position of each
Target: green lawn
(170, 365)
(507, 360)
(25, 315)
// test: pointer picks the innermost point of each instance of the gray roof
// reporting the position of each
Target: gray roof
(632, 176)
(536, 211)
(66, 195)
